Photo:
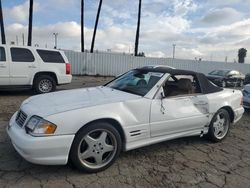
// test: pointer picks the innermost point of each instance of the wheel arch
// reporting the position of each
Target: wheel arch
(52, 74)
(116, 124)
(230, 111)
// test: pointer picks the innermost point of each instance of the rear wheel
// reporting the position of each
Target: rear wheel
(95, 147)
(219, 126)
(44, 84)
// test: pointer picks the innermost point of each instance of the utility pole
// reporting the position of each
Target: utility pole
(30, 23)
(23, 38)
(82, 25)
(138, 30)
(96, 24)
(16, 40)
(2, 24)
(55, 34)
(174, 45)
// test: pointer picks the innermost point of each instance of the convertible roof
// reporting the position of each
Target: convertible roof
(205, 85)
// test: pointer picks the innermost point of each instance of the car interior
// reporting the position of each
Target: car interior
(178, 85)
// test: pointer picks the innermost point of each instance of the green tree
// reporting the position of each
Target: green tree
(242, 53)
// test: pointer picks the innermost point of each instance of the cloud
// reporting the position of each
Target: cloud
(20, 13)
(222, 16)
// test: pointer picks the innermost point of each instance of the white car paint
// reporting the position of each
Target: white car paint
(23, 73)
(144, 120)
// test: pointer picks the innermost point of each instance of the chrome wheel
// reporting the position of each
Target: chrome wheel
(220, 126)
(97, 148)
(45, 86)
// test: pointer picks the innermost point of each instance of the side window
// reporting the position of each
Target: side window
(51, 56)
(181, 85)
(21, 55)
(2, 54)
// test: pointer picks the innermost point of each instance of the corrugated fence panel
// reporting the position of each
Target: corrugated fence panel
(108, 64)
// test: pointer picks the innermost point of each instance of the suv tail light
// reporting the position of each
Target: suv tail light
(241, 101)
(67, 68)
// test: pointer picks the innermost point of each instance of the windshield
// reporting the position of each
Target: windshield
(137, 82)
(219, 72)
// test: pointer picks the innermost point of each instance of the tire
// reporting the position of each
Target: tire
(44, 84)
(217, 129)
(95, 147)
(223, 84)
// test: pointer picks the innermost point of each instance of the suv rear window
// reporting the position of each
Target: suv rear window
(21, 55)
(51, 56)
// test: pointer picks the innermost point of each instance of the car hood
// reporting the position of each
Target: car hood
(57, 102)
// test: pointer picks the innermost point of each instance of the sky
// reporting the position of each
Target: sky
(213, 30)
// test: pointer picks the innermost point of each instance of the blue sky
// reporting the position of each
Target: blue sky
(207, 29)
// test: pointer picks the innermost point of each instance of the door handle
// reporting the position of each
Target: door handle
(3, 66)
(32, 66)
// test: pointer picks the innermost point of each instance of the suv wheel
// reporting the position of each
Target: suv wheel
(44, 84)
(95, 147)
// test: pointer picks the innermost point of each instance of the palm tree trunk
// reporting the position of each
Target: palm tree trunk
(82, 25)
(2, 24)
(138, 29)
(30, 23)
(96, 24)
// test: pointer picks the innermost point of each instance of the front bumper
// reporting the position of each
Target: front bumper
(49, 150)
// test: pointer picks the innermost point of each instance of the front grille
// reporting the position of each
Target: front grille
(21, 118)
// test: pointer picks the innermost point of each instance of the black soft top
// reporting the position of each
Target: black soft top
(205, 85)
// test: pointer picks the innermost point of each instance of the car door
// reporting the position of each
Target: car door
(4, 68)
(184, 114)
(22, 67)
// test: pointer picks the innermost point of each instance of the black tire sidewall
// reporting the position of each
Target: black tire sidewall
(73, 156)
(211, 130)
(39, 79)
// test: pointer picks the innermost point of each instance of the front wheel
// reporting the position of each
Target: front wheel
(219, 126)
(95, 147)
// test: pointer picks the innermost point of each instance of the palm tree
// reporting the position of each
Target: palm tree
(138, 29)
(82, 25)
(96, 24)
(30, 23)
(2, 24)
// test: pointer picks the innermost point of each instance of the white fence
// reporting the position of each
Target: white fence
(108, 64)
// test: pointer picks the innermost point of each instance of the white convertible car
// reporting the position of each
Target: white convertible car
(91, 126)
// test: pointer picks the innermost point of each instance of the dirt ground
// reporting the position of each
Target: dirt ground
(187, 162)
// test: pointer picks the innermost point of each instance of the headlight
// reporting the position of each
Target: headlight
(37, 126)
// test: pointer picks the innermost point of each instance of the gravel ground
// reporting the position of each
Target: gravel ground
(187, 162)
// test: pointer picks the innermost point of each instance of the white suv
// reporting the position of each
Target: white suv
(36, 68)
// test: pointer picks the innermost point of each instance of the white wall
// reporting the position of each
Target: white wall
(108, 64)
